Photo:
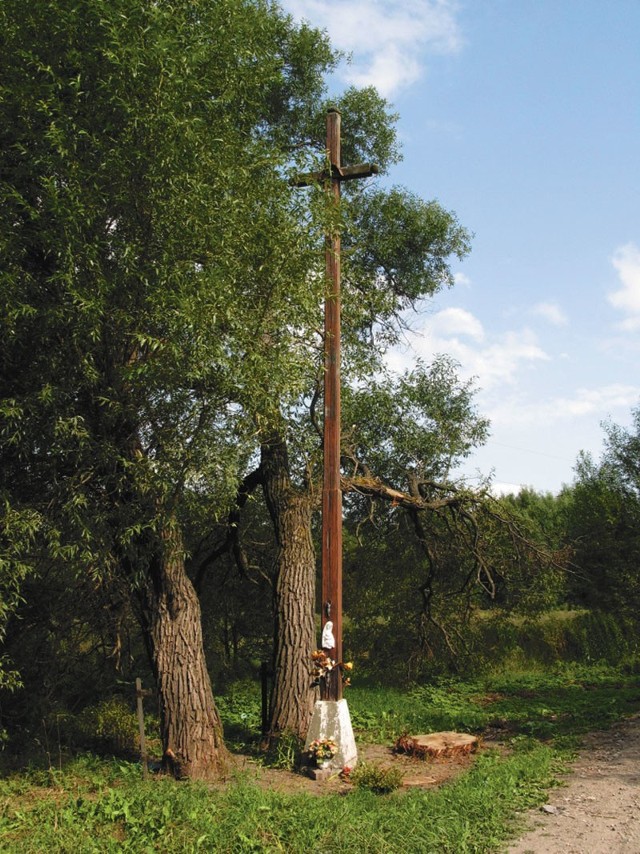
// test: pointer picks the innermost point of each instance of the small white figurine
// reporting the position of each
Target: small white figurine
(328, 640)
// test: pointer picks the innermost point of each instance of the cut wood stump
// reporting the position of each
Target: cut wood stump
(437, 745)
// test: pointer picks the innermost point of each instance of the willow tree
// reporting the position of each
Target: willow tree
(150, 247)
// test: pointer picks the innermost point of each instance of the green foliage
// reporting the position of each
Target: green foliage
(110, 725)
(152, 248)
(408, 574)
(603, 520)
(155, 276)
(397, 250)
(237, 617)
(285, 752)
(414, 587)
(376, 778)
(369, 132)
(240, 710)
(18, 530)
(497, 640)
(544, 514)
(422, 423)
(383, 714)
(161, 275)
(401, 245)
(240, 704)
(75, 645)
(241, 713)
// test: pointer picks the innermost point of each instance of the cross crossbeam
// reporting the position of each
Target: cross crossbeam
(341, 173)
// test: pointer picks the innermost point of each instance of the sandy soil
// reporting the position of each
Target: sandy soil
(597, 811)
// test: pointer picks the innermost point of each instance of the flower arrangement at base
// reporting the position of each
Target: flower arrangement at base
(322, 750)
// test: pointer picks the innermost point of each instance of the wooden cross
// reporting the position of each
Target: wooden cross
(331, 492)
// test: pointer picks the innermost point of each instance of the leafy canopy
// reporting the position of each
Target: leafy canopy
(154, 262)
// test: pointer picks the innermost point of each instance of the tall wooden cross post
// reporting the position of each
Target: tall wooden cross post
(331, 491)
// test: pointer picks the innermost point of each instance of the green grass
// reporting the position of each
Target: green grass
(102, 806)
(559, 704)
(98, 807)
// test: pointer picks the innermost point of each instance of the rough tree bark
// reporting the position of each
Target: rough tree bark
(190, 724)
(294, 591)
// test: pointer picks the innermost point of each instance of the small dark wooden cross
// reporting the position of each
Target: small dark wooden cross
(332, 177)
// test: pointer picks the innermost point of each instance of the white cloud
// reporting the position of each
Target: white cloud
(388, 71)
(598, 402)
(601, 400)
(626, 260)
(461, 279)
(552, 312)
(456, 321)
(501, 362)
(461, 335)
(386, 38)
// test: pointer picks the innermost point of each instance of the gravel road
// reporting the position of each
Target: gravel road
(598, 810)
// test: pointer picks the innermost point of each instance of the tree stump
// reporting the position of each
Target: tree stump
(437, 745)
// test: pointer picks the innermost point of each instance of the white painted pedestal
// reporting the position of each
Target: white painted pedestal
(331, 719)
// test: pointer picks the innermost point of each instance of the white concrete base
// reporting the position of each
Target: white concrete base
(331, 719)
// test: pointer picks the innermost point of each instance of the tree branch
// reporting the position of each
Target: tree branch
(231, 541)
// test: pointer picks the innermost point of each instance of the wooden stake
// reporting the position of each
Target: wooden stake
(143, 745)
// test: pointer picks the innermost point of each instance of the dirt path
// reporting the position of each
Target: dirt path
(598, 811)
(416, 772)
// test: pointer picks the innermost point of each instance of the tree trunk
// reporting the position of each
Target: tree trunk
(191, 728)
(294, 589)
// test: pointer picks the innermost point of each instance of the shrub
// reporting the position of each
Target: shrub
(110, 727)
(376, 778)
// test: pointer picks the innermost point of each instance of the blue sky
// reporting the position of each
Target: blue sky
(523, 117)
